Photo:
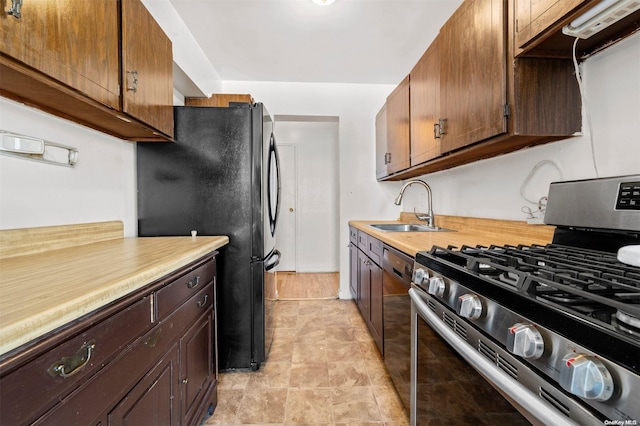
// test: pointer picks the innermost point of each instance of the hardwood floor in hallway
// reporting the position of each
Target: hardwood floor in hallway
(323, 369)
(299, 286)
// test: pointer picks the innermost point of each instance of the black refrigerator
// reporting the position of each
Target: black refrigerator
(221, 177)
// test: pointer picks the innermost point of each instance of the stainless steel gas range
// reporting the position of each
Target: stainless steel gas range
(554, 329)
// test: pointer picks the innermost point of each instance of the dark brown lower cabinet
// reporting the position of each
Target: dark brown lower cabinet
(151, 401)
(127, 363)
(368, 284)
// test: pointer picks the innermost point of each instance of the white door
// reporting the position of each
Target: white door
(286, 229)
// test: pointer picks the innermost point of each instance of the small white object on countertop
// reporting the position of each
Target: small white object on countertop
(194, 233)
(629, 255)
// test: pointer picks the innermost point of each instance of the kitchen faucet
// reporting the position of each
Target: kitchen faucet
(429, 216)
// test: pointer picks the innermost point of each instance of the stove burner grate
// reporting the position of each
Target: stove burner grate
(587, 283)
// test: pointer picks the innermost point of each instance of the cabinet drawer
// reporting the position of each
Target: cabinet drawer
(105, 390)
(353, 235)
(81, 357)
(174, 294)
(374, 249)
(362, 241)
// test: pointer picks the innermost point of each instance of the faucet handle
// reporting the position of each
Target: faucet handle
(423, 217)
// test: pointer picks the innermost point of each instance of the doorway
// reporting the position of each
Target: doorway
(308, 228)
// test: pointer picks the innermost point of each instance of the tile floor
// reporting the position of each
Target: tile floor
(323, 369)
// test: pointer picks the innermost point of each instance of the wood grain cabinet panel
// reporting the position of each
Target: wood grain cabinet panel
(72, 41)
(425, 106)
(382, 157)
(534, 17)
(105, 64)
(398, 128)
(197, 364)
(472, 75)
(146, 68)
(368, 284)
(152, 400)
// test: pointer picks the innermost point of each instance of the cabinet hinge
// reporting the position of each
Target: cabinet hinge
(506, 110)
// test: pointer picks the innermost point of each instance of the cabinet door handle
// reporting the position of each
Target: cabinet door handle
(441, 126)
(70, 365)
(436, 130)
(202, 302)
(133, 87)
(15, 11)
(194, 282)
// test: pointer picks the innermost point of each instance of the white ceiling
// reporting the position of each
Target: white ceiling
(350, 41)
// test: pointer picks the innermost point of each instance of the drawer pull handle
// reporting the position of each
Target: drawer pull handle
(203, 301)
(152, 341)
(70, 365)
(185, 380)
(194, 282)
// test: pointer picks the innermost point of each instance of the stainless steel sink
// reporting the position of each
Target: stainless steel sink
(398, 227)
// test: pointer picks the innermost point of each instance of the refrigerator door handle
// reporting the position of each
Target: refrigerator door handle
(272, 260)
(273, 184)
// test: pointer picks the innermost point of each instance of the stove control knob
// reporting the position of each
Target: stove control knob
(525, 340)
(420, 275)
(470, 306)
(587, 377)
(437, 286)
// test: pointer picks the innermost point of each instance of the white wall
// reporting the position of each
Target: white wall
(491, 188)
(317, 196)
(100, 187)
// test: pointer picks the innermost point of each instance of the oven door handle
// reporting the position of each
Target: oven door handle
(530, 402)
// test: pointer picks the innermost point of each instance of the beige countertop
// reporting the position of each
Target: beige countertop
(469, 231)
(43, 291)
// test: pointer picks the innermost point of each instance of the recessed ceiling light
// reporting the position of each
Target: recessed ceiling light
(323, 2)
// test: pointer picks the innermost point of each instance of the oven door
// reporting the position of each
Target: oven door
(451, 382)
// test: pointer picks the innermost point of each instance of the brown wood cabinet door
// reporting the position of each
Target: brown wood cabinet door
(364, 286)
(72, 41)
(376, 318)
(353, 271)
(196, 352)
(533, 17)
(154, 400)
(424, 106)
(472, 74)
(147, 68)
(381, 142)
(398, 128)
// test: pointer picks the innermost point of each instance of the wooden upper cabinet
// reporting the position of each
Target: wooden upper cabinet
(146, 68)
(219, 100)
(72, 41)
(472, 74)
(538, 28)
(381, 142)
(69, 58)
(532, 17)
(398, 128)
(425, 106)
(472, 91)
